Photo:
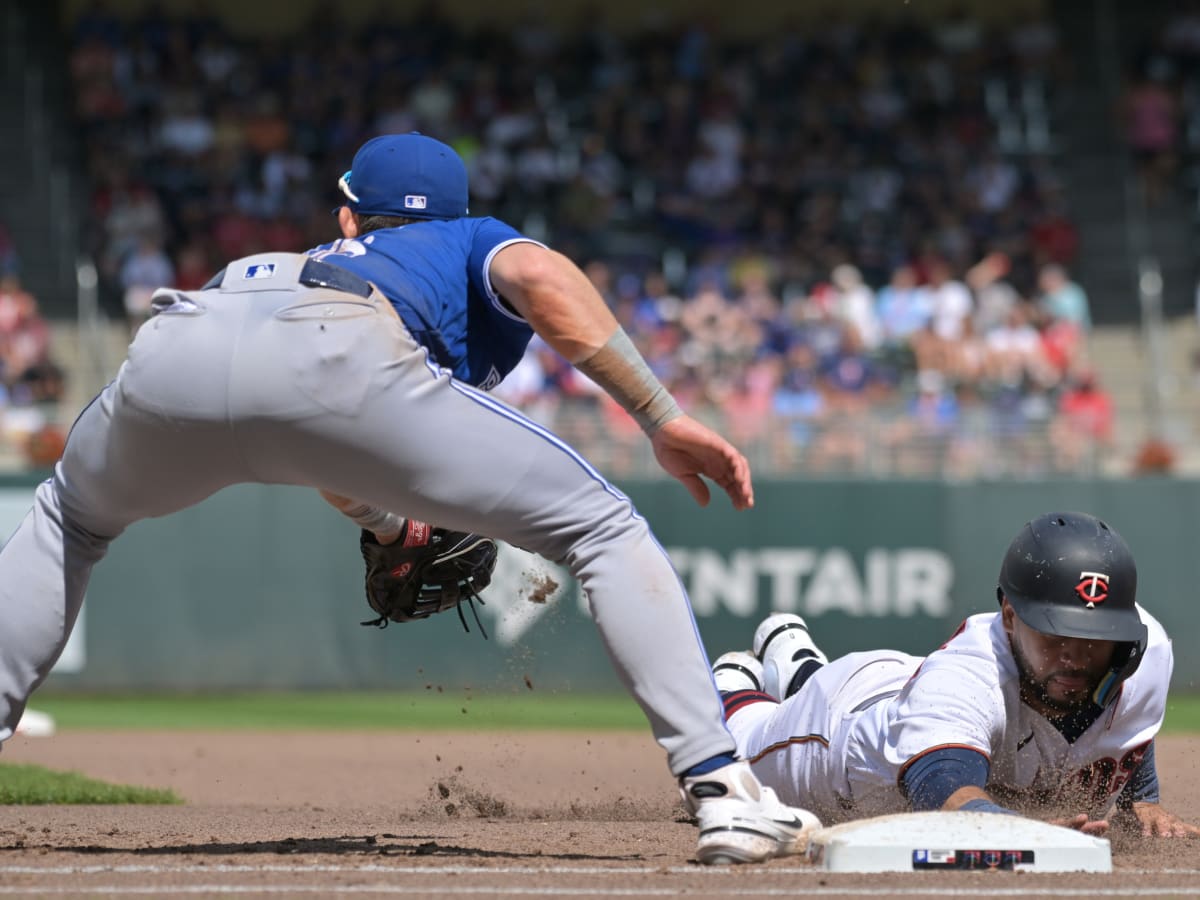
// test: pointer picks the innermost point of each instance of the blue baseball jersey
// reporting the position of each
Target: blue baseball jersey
(435, 274)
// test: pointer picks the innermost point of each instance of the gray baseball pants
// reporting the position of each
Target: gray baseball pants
(264, 380)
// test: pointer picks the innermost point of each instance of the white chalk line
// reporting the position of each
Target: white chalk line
(433, 869)
(522, 890)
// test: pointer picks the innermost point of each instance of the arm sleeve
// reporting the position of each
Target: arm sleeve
(1143, 784)
(930, 779)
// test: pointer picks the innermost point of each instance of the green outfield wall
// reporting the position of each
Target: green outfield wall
(260, 587)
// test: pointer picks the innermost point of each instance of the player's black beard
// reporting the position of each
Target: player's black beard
(1032, 688)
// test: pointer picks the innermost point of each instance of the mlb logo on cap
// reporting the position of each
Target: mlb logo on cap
(415, 201)
(261, 270)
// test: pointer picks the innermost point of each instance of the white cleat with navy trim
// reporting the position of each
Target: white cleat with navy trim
(741, 821)
(788, 654)
(737, 670)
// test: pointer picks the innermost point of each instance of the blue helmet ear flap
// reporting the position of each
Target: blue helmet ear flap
(1127, 656)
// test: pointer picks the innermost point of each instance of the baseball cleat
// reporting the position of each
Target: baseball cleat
(737, 670)
(741, 821)
(35, 724)
(787, 652)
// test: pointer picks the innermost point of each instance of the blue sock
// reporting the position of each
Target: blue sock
(710, 765)
(809, 668)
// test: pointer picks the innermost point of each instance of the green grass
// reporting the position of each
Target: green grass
(28, 785)
(348, 710)
(1183, 714)
(392, 711)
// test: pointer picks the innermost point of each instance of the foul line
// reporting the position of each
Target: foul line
(706, 871)
(444, 890)
(740, 871)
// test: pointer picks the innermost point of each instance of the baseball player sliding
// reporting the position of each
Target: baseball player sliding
(1048, 706)
(358, 370)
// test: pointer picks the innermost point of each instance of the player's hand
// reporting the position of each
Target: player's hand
(688, 450)
(1157, 822)
(1094, 827)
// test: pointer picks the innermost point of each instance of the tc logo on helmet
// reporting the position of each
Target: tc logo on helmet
(1092, 588)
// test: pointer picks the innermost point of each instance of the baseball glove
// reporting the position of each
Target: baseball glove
(425, 571)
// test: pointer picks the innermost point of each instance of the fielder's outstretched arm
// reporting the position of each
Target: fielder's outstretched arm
(555, 297)
(385, 526)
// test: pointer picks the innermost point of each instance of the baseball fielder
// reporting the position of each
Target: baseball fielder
(1050, 705)
(358, 370)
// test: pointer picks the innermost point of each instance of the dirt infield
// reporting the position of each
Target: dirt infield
(485, 814)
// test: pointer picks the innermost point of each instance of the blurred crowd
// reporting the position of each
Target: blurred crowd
(844, 243)
(927, 376)
(1160, 107)
(31, 382)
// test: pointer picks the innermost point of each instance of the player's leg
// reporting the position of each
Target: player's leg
(127, 457)
(429, 448)
(421, 444)
(738, 676)
(737, 671)
(788, 742)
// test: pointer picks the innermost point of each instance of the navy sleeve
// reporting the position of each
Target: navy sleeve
(1143, 784)
(930, 779)
(987, 806)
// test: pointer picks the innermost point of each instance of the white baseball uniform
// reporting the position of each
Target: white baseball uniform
(839, 746)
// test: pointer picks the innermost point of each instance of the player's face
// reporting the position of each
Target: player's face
(1058, 674)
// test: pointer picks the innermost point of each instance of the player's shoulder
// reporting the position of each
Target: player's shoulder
(1158, 659)
(976, 635)
(490, 230)
(467, 224)
(1155, 633)
(964, 679)
(973, 649)
(473, 234)
(1144, 695)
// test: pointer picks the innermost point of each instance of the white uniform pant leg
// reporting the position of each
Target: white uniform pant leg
(126, 458)
(44, 568)
(821, 748)
(787, 753)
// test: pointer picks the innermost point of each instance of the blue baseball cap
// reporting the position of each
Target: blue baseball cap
(409, 175)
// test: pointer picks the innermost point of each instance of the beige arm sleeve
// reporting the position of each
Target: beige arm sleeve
(620, 370)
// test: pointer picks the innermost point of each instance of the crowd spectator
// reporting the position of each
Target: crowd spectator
(9, 261)
(1150, 118)
(951, 302)
(904, 306)
(146, 268)
(994, 296)
(1063, 299)
(1087, 411)
(31, 382)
